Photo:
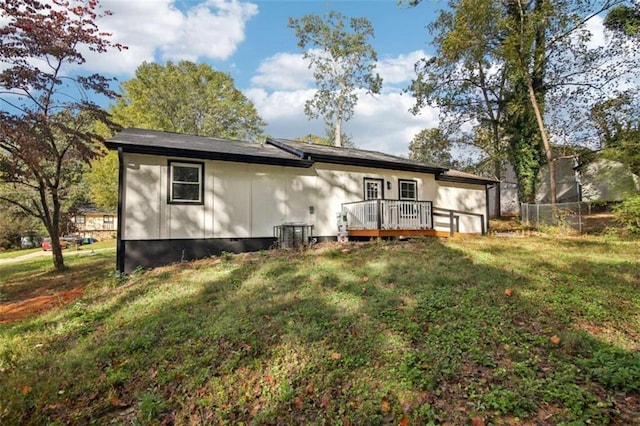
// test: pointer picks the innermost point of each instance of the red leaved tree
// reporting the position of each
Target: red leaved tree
(47, 117)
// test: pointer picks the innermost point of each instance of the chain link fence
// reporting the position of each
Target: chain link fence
(570, 215)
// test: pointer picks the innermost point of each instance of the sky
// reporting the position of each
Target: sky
(250, 41)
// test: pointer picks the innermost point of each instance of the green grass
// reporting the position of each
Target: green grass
(17, 252)
(381, 333)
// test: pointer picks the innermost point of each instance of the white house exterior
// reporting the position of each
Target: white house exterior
(184, 197)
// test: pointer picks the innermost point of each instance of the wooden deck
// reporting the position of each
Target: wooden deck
(390, 233)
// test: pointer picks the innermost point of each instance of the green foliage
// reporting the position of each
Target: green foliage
(431, 146)
(413, 332)
(342, 60)
(624, 19)
(628, 213)
(618, 124)
(102, 180)
(187, 98)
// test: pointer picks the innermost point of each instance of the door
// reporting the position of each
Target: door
(373, 190)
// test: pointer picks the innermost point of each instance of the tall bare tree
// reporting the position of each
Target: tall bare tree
(342, 60)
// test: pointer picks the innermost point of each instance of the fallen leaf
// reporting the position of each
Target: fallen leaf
(507, 293)
(115, 401)
(365, 279)
(555, 339)
(336, 355)
(477, 421)
(403, 421)
(298, 402)
(310, 389)
(324, 401)
(384, 405)
(26, 389)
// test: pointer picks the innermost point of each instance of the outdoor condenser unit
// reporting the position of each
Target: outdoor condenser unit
(293, 235)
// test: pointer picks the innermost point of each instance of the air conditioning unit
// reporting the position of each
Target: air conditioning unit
(293, 235)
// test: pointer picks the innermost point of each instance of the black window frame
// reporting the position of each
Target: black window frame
(80, 219)
(415, 188)
(195, 164)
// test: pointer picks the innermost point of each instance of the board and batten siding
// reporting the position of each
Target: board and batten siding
(247, 200)
(462, 197)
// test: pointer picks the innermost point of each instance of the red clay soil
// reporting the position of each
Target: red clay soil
(38, 303)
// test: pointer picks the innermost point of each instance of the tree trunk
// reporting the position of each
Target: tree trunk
(54, 233)
(545, 140)
(338, 132)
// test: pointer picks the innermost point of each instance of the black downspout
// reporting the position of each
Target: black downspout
(486, 192)
(120, 255)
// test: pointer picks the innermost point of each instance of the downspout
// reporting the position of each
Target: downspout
(487, 188)
(120, 254)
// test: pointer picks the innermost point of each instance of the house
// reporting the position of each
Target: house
(183, 197)
(577, 179)
(91, 222)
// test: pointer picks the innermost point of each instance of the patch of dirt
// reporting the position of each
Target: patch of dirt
(37, 303)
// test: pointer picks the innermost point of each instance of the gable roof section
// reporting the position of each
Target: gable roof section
(352, 157)
(462, 177)
(142, 141)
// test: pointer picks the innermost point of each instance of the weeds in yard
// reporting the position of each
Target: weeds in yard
(385, 333)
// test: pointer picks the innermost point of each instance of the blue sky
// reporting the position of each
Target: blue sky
(251, 41)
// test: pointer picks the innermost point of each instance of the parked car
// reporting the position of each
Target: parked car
(74, 239)
(46, 244)
(29, 241)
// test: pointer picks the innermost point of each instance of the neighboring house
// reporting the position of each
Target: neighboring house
(596, 180)
(183, 197)
(92, 222)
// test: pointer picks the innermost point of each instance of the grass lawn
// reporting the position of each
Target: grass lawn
(461, 331)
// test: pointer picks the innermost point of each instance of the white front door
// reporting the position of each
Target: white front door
(373, 190)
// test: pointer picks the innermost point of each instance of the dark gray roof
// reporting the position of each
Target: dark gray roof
(456, 176)
(353, 157)
(282, 152)
(141, 141)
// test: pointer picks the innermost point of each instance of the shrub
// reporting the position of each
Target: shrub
(628, 213)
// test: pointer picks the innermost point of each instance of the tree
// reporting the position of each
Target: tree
(431, 146)
(102, 181)
(187, 98)
(467, 81)
(551, 75)
(624, 19)
(342, 60)
(618, 122)
(45, 131)
(312, 139)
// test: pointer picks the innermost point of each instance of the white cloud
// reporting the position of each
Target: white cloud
(208, 30)
(381, 124)
(595, 26)
(401, 68)
(283, 71)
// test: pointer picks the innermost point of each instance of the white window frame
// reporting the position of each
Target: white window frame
(171, 182)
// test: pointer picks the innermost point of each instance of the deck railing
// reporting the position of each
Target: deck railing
(389, 214)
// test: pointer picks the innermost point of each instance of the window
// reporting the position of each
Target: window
(408, 190)
(107, 219)
(185, 183)
(80, 219)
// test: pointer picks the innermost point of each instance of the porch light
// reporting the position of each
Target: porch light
(388, 184)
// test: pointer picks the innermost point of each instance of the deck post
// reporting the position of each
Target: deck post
(379, 203)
